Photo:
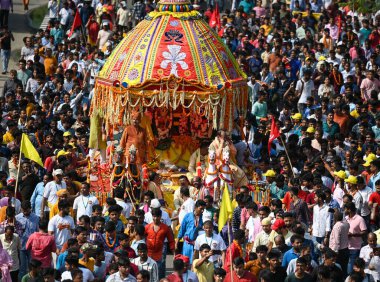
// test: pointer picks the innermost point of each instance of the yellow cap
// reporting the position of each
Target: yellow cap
(297, 116)
(270, 173)
(341, 174)
(351, 179)
(322, 58)
(310, 129)
(370, 158)
(62, 153)
(67, 133)
(73, 145)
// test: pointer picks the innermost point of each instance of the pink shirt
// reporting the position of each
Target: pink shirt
(339, 236)
(260, 11)
(257, 228)
(368, 85)
(244, 216)
(354, 54)
(334, 31)
(41, 246)
(357, 224)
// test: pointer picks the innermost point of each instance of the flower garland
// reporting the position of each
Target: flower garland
(229, 171)
(210, 173)
(114, 172)
(229, 181)
(111, 246)
(337, 81)
(38, 139)
(137, 175)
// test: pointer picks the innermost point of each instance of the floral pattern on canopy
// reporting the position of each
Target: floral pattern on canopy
(171, 59)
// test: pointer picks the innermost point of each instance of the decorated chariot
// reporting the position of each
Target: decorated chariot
(180, 76)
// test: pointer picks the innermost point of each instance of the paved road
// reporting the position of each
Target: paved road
(18, 24)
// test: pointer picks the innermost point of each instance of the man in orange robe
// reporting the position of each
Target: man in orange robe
(136, 135)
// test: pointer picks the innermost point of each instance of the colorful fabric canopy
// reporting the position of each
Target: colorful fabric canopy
(172, 58)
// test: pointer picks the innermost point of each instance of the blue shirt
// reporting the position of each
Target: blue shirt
(188, 227)
(37, 197)
(331, 130)
(372, 180)
(247, 6)
(29, 226)
(376, 131)
(288, 256)
(119, 225)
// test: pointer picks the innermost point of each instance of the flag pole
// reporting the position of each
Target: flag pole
(287, 155)
(229, 240)
(18, 168)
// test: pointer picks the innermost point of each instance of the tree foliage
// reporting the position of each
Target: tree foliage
(362, 6)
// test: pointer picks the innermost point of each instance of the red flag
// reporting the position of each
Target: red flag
(76, 23)
(215, 17)
(274, 133)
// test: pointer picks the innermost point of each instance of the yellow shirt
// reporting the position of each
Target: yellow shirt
(377, 232)
(204, 272)
(90, 264)
(29, 109)
(267, 29)
(50, 65)
(354, 114)
(8, 137)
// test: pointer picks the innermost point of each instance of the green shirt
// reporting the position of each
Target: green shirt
(260, 110)
(28, 278)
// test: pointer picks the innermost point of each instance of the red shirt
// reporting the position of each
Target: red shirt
(235, 252)
(287, 200)
(374, 198)
(41, 246)
(155, 240)
(247, 277)
(174, 277)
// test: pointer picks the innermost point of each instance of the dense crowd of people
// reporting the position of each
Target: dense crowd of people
(313, 67)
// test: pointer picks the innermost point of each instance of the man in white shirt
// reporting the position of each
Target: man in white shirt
(84, 202)
(216, 243)
(365, 191)
(366, 252)
(65, 13)
(304, 89)
(50, 191)
(155, 204)
(123, 274)
(321, 217)
(72, 264)
(357, 198)
(119, 195)
(61, 225)
(143, 262)
(188, 204)
(183, 182)
(103, 35)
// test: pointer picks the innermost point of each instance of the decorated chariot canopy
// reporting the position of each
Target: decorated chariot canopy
(174, 60)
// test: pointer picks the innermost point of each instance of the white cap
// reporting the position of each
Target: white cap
(155, 204)
(57, 172)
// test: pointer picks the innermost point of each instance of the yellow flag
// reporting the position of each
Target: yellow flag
(29, 151)
(225, 209)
